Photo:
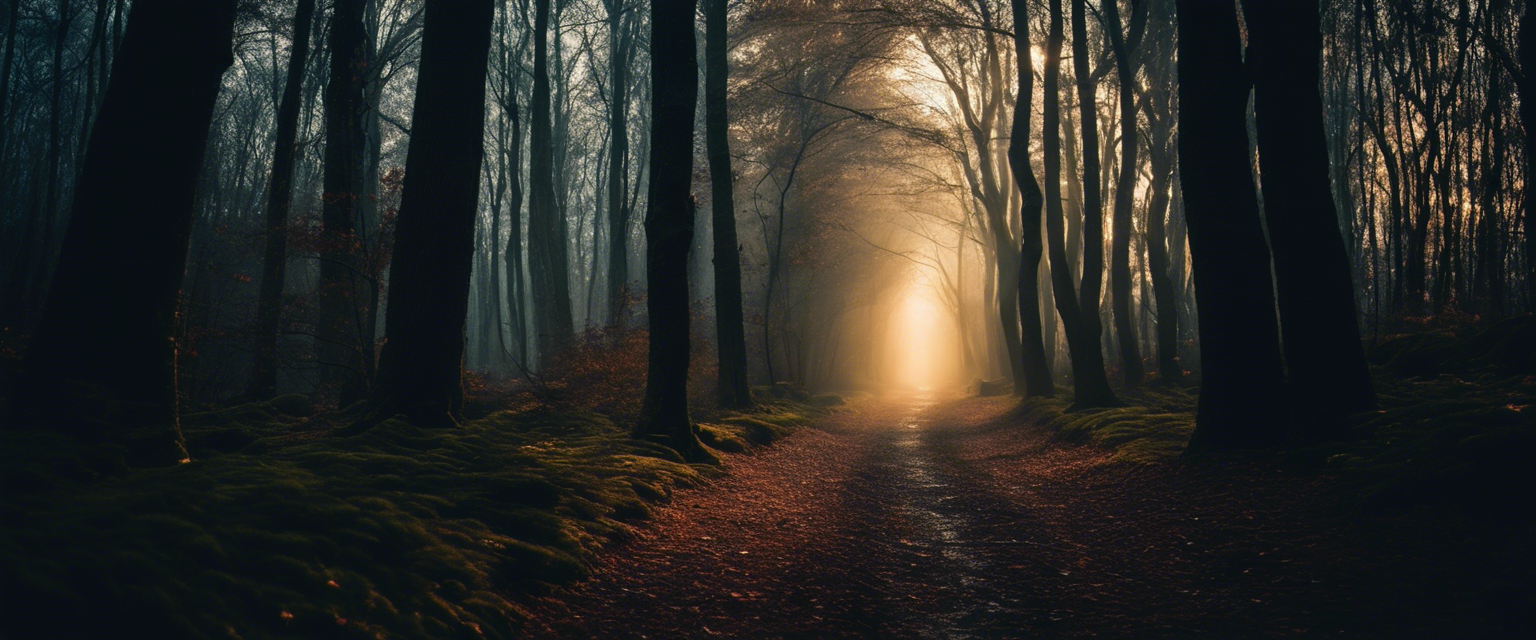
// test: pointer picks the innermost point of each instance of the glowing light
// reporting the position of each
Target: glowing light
(921, 340)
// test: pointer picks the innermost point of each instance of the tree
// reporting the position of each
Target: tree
(263, 382)
(1125, 194)
(125, 247)
(1160, 160)
(345, 362)
(1036, 381)
(422, 359)
(1527, 86)
(1323, 353)
(1239, 341)
(729, 319)
(546, 227)
(1090, 386)
(621, 47)
(669, 219)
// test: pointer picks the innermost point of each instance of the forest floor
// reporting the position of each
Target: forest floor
(930, 517)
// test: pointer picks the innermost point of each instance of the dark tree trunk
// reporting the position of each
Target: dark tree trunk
(730, 327)
(50, 210)
(546, 228)
(15, 288)
(1239, 340)
(1090, 385)
(125, 248)
(342, 357)
(5, 82)
(1036, 381)
(1158, 259)
(1528, 120)
(269, 306)
(1318, 316)
(1125, 196)
(1093, 206)
(422, 360)
(620, 45)
(515, 236)
(669, 228)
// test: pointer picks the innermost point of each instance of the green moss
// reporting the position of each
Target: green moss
(1153, 427)
(278, 529)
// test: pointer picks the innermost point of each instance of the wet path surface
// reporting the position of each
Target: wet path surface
(914, 517)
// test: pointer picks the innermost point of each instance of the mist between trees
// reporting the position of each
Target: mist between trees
(1026, 194)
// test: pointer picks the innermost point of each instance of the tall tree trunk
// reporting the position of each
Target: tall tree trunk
(1093, 205)
(5, 85)
(1318, 316)
(730, 330)
(421, 365)
(1036, 381)
(125, 248)
(1090, 385)
(546, 246)
(515, 236)
(263, 382)
(338, 348)
(1528, 120)
(50, 211)
(620, 45)
(1158, 258)
(1239, 341)
(669, 220)
(15, 288)
(1125, 197)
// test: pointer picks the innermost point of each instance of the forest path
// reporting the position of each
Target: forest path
(911, 517)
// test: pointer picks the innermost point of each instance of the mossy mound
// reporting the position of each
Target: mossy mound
(277, 529)
(1505, 348)
(1448, 440)
(1154, 427)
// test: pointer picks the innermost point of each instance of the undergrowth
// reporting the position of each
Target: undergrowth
(1456, 424)
(277, 529)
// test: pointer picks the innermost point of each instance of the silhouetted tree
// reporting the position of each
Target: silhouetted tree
(1239, 341)
(269, 307)
(422, 359)
(729, 329)
(1036, 380)
(345, 362)
(1090, 385)
(669, 220)
(546, 226)
(621, 47)
(126, 244)
(1125, 194)
(1323, 353)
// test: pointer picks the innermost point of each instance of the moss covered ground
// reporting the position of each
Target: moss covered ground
(278, 529)
(1456, 425)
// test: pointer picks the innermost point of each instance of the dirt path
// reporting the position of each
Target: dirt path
(914, 518)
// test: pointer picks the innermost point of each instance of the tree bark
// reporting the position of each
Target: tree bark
(1125, 196)
(343, 359)
(620, 46)
(126, 244)
(546, 246)
(669, 221)
(730, 330)
(1036, 381)
(1090, 385)
(274, 268)
(1093, 206)
(1318, 315)
(420, 367)
(1239, 341)
(1528, 120)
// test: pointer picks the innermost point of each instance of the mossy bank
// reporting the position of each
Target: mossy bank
(278, 529)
